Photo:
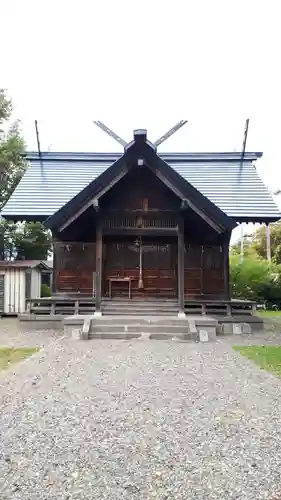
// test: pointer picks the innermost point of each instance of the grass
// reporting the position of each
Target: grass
(269, 314)
(267, 357)
(10, 355)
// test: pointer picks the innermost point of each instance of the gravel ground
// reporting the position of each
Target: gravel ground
(140, 420)
(13, 333)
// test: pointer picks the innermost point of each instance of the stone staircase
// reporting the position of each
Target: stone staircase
(150, 319)
(135, 307)
(133, 327)
(151, 327)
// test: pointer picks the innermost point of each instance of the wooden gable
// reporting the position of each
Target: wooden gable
(138, 154)
(140, 190)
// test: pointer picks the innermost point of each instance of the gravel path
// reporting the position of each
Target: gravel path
(13, 333)
(139, 420)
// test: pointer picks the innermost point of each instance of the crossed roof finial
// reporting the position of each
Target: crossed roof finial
(124, 143)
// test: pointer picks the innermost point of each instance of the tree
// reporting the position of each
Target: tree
(5, 107)
(259, 242)
(28, 240)
(248, 249)
(24, 240)
(32, 242)
(255, 279)
(12, 163)
(7, 235)
(255, 244)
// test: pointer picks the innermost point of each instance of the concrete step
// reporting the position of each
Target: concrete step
(145, 328)
(118, 335)
(139, 304)
(139, 307)
(149, 312)
(143, 335)
(139, 320)
(151, 327)
(123, 320)
(139, 301)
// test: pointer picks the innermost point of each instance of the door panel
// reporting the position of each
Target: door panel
(159, 268)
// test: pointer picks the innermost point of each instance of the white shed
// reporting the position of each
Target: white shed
(19, 280)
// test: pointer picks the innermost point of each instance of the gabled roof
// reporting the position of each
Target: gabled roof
(239, 192)
(140, 147)
(49, 264)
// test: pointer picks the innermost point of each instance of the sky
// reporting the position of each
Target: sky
(147, 65)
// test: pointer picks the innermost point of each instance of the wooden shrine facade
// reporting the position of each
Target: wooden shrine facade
(141, 230)
(205, 268)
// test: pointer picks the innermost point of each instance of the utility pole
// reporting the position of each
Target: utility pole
(241, 242)
(268, 243)
(239, 180)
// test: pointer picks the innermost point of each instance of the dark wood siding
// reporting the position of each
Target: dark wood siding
(213, 271)
(141, 205)
(75, 265)
(204, 272)
(122, 260)
(192, 270)
(140, 189)
(82, 229)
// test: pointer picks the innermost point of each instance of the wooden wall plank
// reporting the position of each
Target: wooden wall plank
(204, 271)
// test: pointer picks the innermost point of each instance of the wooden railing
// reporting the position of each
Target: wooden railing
(86, 305)
(61, 305)
(219, 307)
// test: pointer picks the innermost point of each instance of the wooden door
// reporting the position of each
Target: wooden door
(122, 260)
(193, 271)
(160, 268)
(213, 280)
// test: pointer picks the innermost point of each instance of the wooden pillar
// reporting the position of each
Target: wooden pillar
(54, 281)
(226, 270)
(181, 266)
(98, 269)
(268, 243)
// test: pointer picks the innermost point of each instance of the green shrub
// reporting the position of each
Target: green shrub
(255, 279)
(45, 291)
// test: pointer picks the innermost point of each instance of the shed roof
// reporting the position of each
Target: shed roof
(48, 185)
(25, 264)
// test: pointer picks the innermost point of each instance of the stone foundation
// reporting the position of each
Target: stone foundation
(193, 328)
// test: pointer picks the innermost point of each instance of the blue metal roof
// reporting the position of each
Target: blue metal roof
(48, 185)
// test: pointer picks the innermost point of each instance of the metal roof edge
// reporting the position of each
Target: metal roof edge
(258, 219)
(23, 217)
(238, 219)
(105, 156)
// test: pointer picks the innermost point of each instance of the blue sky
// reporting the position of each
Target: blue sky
(147, 65)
